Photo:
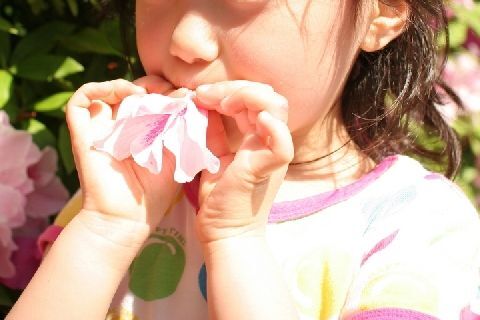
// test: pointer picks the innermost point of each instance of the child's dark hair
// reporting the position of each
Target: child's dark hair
(391, 94)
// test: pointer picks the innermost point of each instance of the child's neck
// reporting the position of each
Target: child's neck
(323, 164)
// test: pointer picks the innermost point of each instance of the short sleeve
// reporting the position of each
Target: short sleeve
(420, 262)
(72, 208)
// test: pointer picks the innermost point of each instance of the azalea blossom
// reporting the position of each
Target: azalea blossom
(461, 73)
(29, 190)
(148, 122)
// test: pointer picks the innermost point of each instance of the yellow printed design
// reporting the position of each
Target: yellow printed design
(122, 314)
(71, 209)
(322, 280)
(394, 288)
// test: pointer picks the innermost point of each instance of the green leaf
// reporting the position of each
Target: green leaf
(90, 40)
(4, 49)
(5, 298)
(468, 16)
(46, 67)
(462, 125)
(475, 146)
(37, 6)
(6, 81)
(41, 41)
(65, 149)
(40, 133)
(111, 29)
(468, 174)
(59, 6)
(53, 102)
(457, 32)
(73, 6)
(6, 26)
(11, 108)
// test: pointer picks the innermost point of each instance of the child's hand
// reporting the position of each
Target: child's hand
(237, 200)
(116, 188)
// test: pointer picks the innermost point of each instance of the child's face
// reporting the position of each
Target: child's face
(302, 48)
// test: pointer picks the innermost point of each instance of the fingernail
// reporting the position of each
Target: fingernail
(140, 89)
(206, 95)
(203, 88)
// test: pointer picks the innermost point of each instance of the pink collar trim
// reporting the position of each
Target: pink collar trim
(296, 209)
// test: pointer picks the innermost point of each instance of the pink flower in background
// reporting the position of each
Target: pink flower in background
(29, 189)
(49, 194)
(462, 74)
(472, 43)
(146, 123)
(466, 3)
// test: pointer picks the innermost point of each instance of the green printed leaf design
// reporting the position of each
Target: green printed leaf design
(157, 270)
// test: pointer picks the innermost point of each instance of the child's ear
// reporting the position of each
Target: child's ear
(387, 21)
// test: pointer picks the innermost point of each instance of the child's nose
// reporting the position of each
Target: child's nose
(194, 39)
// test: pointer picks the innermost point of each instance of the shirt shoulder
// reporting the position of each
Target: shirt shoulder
(421, 247)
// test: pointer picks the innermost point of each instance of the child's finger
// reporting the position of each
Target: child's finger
(254, 100)
(277, 145)
(78, 114)
(217, 140)
(210, 95)
(111, 92)
(232, 97)
(179, 93)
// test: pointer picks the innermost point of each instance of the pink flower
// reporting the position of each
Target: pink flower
(146, 123)
(28, 188)
(462, 74)
(27, 257)
(473, 42)
(49, 194)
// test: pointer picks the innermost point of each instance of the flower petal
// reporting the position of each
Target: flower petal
(47, 199)
(145, 123)
(25, 260)
(44, 170)
(191, 154)
(12, 203)
(148, 156)
(7, 269)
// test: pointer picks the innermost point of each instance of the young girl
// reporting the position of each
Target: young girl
(314, 213)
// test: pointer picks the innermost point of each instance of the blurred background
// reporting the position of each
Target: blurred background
(48, 48)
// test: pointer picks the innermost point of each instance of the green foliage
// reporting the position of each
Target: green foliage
(49, 48)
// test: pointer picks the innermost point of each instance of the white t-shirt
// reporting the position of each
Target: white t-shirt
(400, 243)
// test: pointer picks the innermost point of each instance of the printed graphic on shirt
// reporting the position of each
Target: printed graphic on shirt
(202, 281)
(393, 288)
(122, 314)
(472, 311)
(317, 278)
(157, 270)
(388, 205)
